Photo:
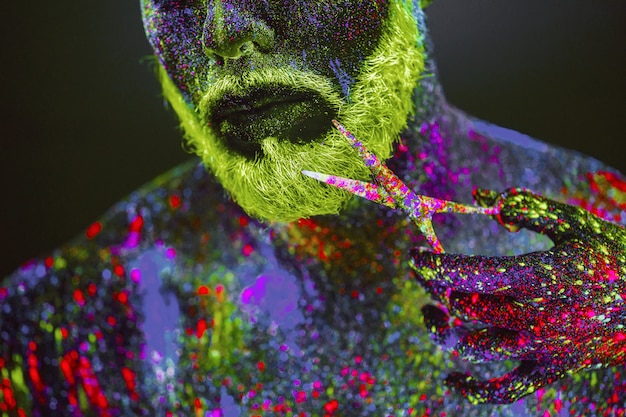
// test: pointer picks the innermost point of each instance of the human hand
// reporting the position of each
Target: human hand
(557, 312)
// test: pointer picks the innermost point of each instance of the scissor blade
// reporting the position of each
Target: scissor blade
(360, 188)
(390, 182)
(403, 196)
(419, 208)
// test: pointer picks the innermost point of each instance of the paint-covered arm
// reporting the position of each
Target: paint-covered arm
(557, 312)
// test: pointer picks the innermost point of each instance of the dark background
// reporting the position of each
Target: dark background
(83, 123)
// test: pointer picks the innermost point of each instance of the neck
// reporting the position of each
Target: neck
(435, 151)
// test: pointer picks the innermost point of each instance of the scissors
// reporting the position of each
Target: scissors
(389, 190)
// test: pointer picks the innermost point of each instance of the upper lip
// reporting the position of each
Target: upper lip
(258, 100)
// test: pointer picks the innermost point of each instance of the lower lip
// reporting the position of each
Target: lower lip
(296, 121)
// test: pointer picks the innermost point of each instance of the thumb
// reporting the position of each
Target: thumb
(521, 208)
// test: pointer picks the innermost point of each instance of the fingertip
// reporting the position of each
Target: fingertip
(421, 254)
(436, 321)
(435, 316)
(460, 381)
(466, 385)
(484, 197)
(455, 377)
(516, 206)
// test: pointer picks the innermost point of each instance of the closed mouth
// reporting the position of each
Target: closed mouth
(243, 121)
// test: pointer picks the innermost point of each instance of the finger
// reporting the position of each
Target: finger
(436, 321)
(489, 198)
(558, 221)
(520, 276)
(528, 377)
(444, 332)
(487, 345)
(437, 292)
(500, 311)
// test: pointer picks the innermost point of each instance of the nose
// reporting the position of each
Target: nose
(231, 31)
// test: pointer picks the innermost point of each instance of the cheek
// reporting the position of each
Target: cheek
(175, 36)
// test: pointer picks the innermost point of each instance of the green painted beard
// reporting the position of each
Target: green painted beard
(272, 187)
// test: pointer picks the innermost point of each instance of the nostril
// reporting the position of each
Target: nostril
(226, 51)
(246, 48)
(231, 50)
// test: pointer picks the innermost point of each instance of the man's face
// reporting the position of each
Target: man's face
(257, 82)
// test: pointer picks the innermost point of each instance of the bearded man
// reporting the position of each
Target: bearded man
(238, 286)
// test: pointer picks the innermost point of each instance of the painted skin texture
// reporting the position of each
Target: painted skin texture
(177, 302)
(558, 312)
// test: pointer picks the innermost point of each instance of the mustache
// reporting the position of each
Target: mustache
(268, 83)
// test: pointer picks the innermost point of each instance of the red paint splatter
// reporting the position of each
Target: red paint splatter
(78, 368)
(91, 289)
(331, 406)
(79, 297)
(122, 297)
(93, 230)
(136, 224)
(247, 250)
(201, 327)
(175, 201)
(119, 270)
(7, 392)
(131, 383)
(300, 396)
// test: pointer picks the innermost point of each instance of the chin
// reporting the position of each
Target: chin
(266, 179)
(273, 188)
